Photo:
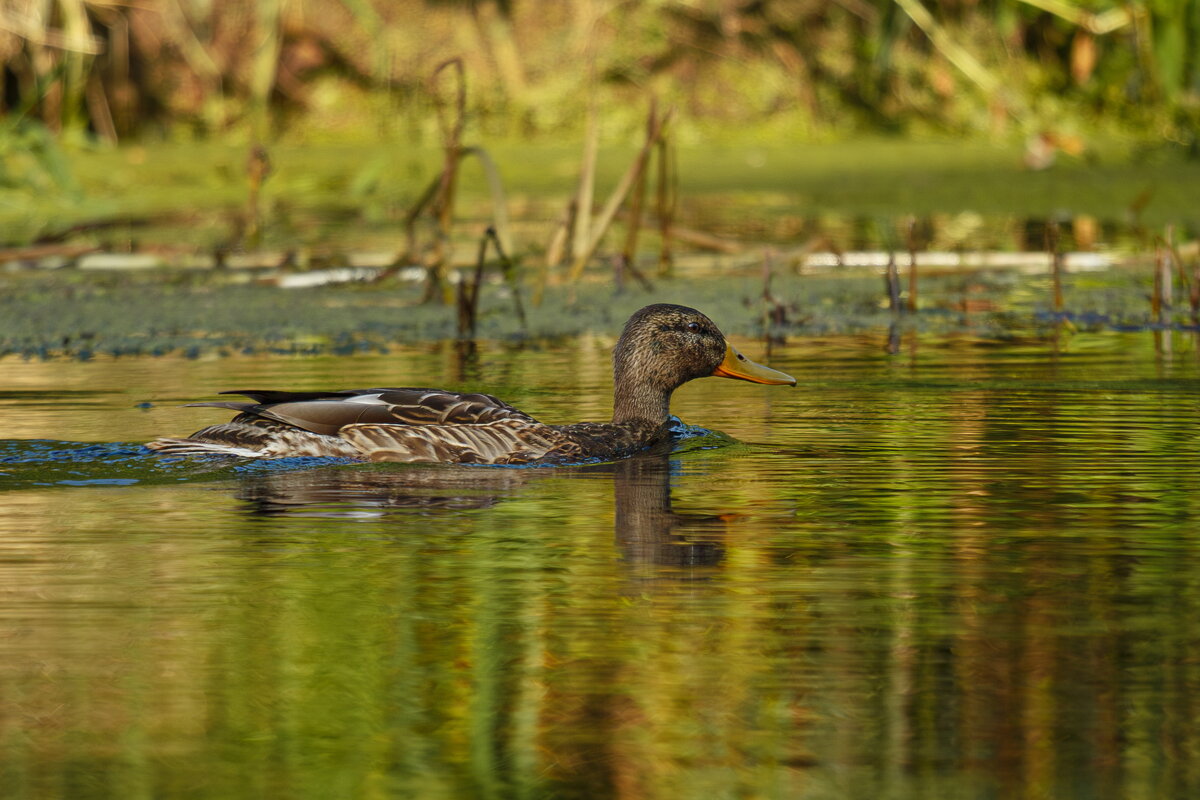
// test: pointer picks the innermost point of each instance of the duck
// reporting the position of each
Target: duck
(661, 347)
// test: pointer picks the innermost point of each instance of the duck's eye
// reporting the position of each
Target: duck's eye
(694, 327)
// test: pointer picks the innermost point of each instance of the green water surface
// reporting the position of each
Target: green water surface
(968, 569)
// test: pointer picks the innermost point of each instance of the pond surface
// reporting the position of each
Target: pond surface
(969, 569)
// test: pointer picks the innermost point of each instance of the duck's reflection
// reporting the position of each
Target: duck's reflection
(647, 530)
(369, 491)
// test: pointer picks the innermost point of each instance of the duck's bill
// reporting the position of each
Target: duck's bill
(738, 366)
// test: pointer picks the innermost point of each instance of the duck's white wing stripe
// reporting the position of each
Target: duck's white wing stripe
(367, 399)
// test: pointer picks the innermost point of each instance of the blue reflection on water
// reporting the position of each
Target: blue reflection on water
(44, 462)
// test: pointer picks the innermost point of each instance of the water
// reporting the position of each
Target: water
(968, 569)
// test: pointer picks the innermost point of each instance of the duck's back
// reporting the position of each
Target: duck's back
(382, 424)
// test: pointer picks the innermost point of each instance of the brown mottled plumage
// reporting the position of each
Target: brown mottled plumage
(662, 347)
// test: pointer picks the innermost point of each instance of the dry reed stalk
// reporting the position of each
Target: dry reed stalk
(1195, 293)
(621, 265)
(654, 129)
(1056, 264)
(637, 200)
(199, 60)
(42, 250)
(581, 228)
(955, 53)
(628, 257)
(258, 169)
(502, 230)
(268, 22)
(422, 202)
(912, 264)
(99, 110)
(700, 239)
(1167, 281)
(892, 279)
(666, 196)
(509, 270)
(1156, 297)
(560, 245)
(467, 295)
(451, 129)
(560, 240)
(1185, 280)
(775, 310)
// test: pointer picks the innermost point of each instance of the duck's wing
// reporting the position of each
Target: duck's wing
(501, 441)
(410, 424)
(329, 412)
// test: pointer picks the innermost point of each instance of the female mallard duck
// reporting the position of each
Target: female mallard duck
(662, 347)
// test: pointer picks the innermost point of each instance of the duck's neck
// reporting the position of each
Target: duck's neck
(640, 401)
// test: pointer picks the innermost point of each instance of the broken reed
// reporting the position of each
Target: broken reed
(891, 277)
(912, 264)
(892, 283)
(467, 293)
(578, 234)
(438, 199)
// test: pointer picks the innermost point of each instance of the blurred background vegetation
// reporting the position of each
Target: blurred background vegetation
(126, 125)
(766, 68)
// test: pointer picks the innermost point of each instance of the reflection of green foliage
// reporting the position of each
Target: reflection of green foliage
(356, 197)
(965, 571)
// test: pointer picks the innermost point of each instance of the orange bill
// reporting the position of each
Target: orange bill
(738, 366)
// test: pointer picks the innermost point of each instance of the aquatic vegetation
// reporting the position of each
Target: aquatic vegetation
(83, 315)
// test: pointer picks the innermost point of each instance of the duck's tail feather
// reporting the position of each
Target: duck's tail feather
(230, 404)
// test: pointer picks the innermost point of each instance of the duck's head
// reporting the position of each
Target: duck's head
(663, 347)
